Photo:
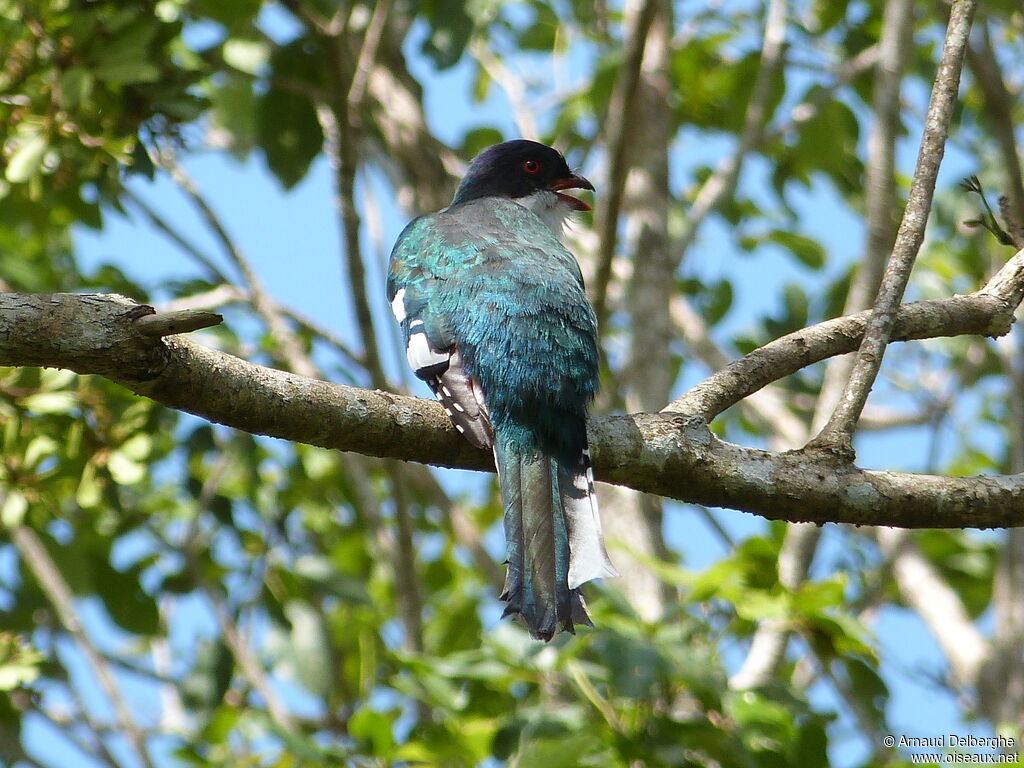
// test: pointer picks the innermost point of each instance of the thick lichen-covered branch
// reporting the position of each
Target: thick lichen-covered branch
(671, 454)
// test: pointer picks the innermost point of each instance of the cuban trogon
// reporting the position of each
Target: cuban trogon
(496, 321)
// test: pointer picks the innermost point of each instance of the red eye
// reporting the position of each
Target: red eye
(531, 166)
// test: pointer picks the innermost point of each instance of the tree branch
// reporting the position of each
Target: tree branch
(768, 648)
(617, 131)
(988, 312)
(837, 435)
(882, 204)
(670, 454)
(765, 406)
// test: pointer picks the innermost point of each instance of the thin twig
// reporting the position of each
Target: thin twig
(172, 708)
(512, 83)
(58, 592)
(999, 105)
(285, 340)
(182, 321)
(712, 521)
(406, 583)
(837, 435)
(207, 301)
(247, 661)
(340, 138)
(855, 702)
(165, 228)
(313, 19)
(722, 184)
(617, 134)
(97, 750)
(229, 294)
(367, 57)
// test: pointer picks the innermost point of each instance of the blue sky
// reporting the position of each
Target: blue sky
(291, 239)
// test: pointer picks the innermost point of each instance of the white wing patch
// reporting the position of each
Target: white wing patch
(442, 369)
(421, 356)
(398, 305)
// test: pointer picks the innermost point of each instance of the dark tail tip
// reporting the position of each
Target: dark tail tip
(543, 622)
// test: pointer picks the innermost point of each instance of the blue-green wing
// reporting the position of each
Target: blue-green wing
(415, 281)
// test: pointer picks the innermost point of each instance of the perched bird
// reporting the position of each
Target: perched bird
(497, 323)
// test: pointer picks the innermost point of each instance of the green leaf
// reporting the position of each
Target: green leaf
(757, 605)
(230, 13)
(50, 402)
(562, 752)
(124, 599)
(289, 134)
(76, 85)
(15, 506)
(125, 470)
(127, 72)
(828, 13)
(478, 139)
(141, 164)
(89, 492)
(868, 687)
(324, 573)
(40, 448)
(450, 29)
(812, 745)
(376, 728)
(808, 251)
(208, 680)
(542, 33)
(815, 596)
(19, 662)
(249, 56)
(717, 301)
(27, 159)
(222, 724)
(303, 649)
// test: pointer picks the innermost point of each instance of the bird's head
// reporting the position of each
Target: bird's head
(534, 175)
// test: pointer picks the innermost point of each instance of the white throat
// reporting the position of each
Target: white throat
(549, 207)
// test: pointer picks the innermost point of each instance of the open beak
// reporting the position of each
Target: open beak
(572, 182)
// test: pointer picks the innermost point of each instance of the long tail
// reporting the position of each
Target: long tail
(553, 534)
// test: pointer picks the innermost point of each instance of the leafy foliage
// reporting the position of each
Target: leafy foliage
(289, 606)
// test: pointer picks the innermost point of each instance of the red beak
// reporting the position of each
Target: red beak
(572, 182)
